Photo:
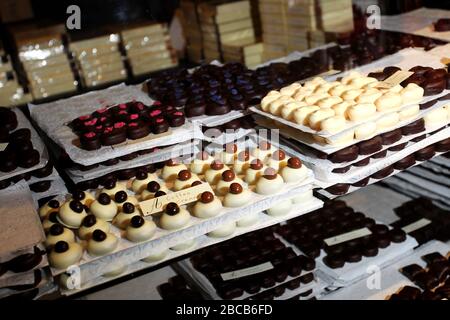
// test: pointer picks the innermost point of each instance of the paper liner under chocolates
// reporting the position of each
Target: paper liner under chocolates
(37, 145)
(203, 241)
(391, 277)
(53, 118)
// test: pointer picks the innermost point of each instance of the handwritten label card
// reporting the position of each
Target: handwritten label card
(348, 236)
(247, 271)
(395, 79)
(184, 196)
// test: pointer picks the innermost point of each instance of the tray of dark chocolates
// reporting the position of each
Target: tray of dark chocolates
(344, 242)
(47, 172)
(55, 118)
(127, 121)
(177, 289)
(249, 194)
(247, 265)
(407, 279)
(22, 151)
(230, 131)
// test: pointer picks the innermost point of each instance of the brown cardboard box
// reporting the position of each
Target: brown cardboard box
(15, 10)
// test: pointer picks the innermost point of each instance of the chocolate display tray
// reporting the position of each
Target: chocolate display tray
(378, 164)
(405, 59)
(154, 157)
(352, 272)
(441, 161)
(53, 118)
(421, 173)
(329, 195)
(323, 168)
(128, 252)
(37, 144)
(199, 280)
(203, 241)
(391, 278)
(413, 191)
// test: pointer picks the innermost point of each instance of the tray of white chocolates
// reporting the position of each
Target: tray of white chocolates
(288, 209)
(150, 213)
(345, 112)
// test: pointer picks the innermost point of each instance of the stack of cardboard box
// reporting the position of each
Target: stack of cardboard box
(11, 92)
(191, 29)
(148, 48)
(44, 59)
(290, 25)
(99, 60)
(251, 55)
(225, 23)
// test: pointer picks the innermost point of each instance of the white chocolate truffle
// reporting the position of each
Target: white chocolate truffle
(287, 112)
(255, 171)
(275, 106)
(228, 177)
(101, 243)
(295, 171)
(277, 160)
(269, 183)
(388, 101)
(84, 197)
(207, 206)
(51, 219)
(123, 218)
(338, 90)
(104, 208)
(409, 111)
(121, 197)
(313, 98)
(201, 163)
(49, 207)
(263, 151)
(435, 117)
(329, 102)
(171, 169)
(301, 115)
(242, 162)
(214, 173)
(58, 233)
(184, 180)
(72, 213)
(333, 124)
(90, 224)
(387, 121)
(184, 245)
(302, 93)
(318, 116)
(351, 94)
(156, 256)
(229, 154)
(340, 109)
(112, 187)
(237, 196)
(140, 182)
(249, 220)
(268, 99)
(350, 76)
(362, 81)
(342, 138)
(326, 87)
(369, 96)
(412, 93)
(174, 217)
(314, 83)
(280, 209)
(303, 197)
(361, 111)
(397, 88)
(140, 229)
(224, 231)
(291, 89)
(152, 188)
(365, 130)
(65, 254)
